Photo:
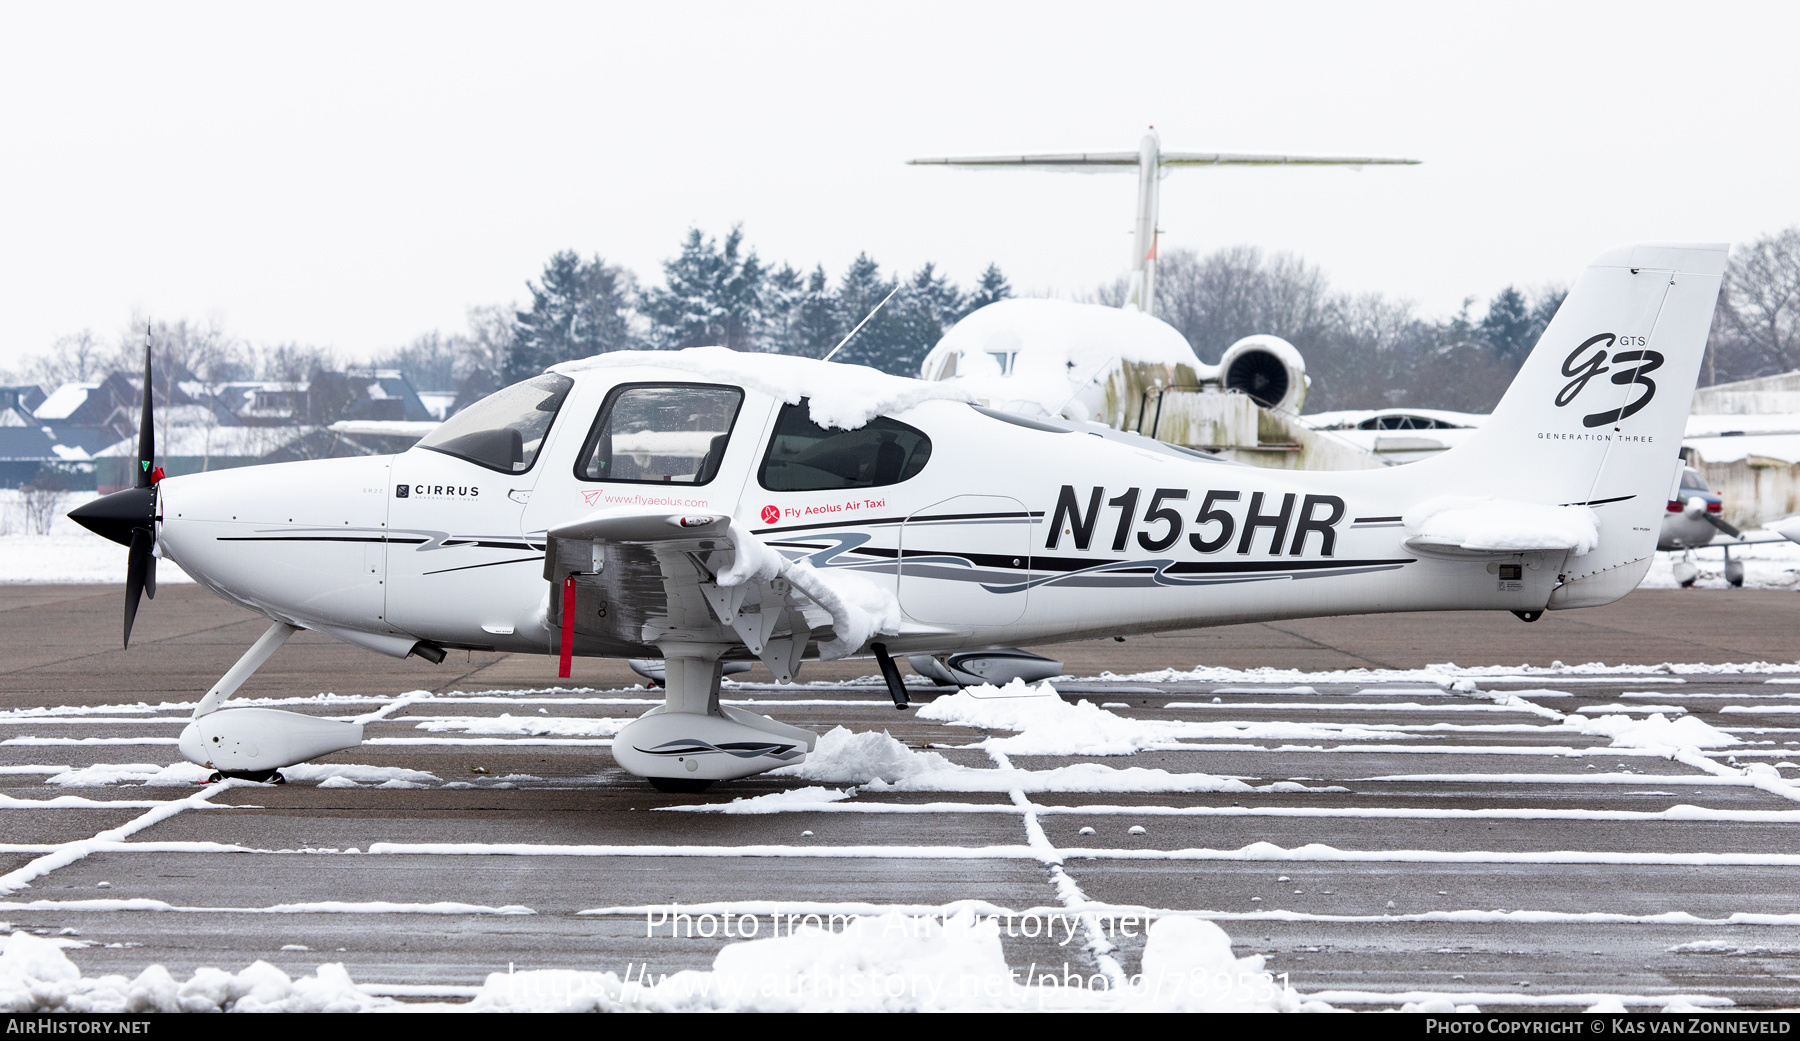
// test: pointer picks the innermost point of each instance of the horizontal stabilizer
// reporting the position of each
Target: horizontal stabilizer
(1474, 526)
(1095, 162)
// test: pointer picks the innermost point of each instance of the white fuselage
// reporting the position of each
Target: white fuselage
(1009, 534)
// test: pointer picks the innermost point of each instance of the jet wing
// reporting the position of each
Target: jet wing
(630, 578)
(1231, 159)
(1086, 161)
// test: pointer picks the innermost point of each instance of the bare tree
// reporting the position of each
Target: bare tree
(40, 500)
(1756, 329)
(1224, 296)
(74, 358)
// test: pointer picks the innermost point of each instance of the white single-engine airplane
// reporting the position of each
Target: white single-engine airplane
(704, 506)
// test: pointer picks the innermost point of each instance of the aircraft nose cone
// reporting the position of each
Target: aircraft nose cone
(113, 516)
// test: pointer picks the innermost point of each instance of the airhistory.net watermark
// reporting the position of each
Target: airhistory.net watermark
(1059, 927)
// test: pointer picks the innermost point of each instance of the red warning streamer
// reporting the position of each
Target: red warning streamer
(568, 626)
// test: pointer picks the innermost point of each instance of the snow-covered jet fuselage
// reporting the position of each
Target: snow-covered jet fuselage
(703, 506)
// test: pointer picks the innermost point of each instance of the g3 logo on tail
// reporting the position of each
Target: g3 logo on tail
(1583, 369)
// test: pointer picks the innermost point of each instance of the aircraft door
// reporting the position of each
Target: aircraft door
(674, 446)
(967, 559)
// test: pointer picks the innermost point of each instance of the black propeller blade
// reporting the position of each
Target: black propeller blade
(1723, 525)
(128, 516)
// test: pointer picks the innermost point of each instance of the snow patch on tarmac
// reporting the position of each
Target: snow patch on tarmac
(880, 763)
(149, 775)
(1656, 731)
(894, 963)
(1048, 725)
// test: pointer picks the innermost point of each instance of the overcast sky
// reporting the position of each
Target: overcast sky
(353, 175)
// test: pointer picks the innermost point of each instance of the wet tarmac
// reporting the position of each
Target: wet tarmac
(1394, 835)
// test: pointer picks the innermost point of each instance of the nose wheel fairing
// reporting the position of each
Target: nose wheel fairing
(248, 741)
(255, 742)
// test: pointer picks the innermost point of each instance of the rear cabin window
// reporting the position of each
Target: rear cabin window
(806, 457)
(663, 433)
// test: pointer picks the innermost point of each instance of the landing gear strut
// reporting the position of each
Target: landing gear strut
(255, 743)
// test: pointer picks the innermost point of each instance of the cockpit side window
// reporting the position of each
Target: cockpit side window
(504, 430)
(805, 457)
(660, 433)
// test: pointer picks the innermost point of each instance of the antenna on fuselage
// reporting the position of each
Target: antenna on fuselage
(862, 323)
(1149, 161)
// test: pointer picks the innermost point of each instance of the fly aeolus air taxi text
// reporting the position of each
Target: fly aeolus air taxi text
(704, 506)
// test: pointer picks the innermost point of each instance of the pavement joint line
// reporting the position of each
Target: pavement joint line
(142, 641)
(1289, 706)
(1320, 645)
(1510, 998)
(1551, 751)
(141, 904)
(1068, 891)
(1104, 907)
(69, 852)
(62, 802)
(95, 720)
(1671, 780)
(34, 740)
(1480, 915)
(857, 907)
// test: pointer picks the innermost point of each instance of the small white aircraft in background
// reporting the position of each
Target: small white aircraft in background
(1695, 520)
(705, 507)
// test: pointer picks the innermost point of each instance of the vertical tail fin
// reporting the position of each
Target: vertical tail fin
(1597, 413)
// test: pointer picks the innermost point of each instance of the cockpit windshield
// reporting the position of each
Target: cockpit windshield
(504, 430)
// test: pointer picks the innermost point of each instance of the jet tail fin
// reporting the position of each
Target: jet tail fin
(1596, 415)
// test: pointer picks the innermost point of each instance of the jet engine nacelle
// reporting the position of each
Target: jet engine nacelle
(1089, 361)
(1266, 368)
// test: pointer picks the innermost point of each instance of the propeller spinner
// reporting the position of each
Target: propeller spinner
(128, 516)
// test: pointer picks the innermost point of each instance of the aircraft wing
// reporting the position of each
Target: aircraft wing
(1749, 538)
(1063, 161)
(1236, 159)
(1088, 160)
(645, 577)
